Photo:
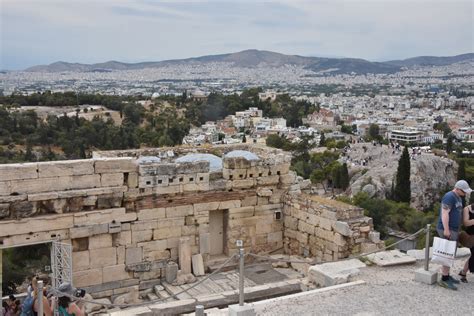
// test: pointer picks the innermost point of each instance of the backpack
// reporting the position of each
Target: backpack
(27, 306)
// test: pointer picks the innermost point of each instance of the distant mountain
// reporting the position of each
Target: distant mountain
(253, 58)
(431, 60)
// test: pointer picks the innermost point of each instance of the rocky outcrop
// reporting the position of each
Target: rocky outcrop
(430, 175)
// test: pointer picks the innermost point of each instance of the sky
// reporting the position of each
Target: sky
(37, 32)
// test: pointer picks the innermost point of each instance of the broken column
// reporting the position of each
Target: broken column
(185, 255)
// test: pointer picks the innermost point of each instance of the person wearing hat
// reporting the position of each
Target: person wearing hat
(449, 223)
(66, 306)
(466, 239)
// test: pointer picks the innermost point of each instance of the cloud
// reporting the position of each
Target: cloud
(44, 31)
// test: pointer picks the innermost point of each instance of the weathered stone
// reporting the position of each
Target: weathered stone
(132, 297)
(198, 265)
(103, 257)
(87, 277)
(139, 267)
(342, 228)
(65, 168)
(111, 179)
(153, 213)
(18, 171)
(154, 245)
(390, 258)
(114, 165)
(171, 272)
(264, 192)
(133, 255)
(185, 255)
(114, 273)
(46, 236)
(328, 274)
(37, 224)
(176, 307)
(100, 241)
(204, 243)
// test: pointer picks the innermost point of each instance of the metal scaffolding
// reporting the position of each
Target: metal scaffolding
(61, 263)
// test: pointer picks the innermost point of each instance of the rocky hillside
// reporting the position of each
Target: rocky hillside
(430, 174)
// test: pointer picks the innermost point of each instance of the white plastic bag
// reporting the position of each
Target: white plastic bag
(444, 251)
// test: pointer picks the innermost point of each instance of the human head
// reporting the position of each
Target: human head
(66, 290)
(462, 188)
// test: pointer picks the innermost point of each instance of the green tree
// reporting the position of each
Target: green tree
(462, 170)
(402, 185)
(344, 176)
(373, 132)
(244, 139)
(444, 127)
(346, 129)
(322, 140)
(449, 144)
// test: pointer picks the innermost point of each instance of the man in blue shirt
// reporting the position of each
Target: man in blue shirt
(449, 223)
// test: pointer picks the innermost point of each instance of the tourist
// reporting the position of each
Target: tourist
(468, 240)
(30, 304)
(66, 306)
(450, 216)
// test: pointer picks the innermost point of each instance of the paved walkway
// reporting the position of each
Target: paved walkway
(382, 291)
(387, 291)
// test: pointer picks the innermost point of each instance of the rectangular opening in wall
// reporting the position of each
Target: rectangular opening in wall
(180, 179)
(160, 181)
(201, 178)
(125, 178)
(191, 179)
(278, 172)
(217, 231)
(230, 177)
(277, 216)
(170, 180)
(148, 182)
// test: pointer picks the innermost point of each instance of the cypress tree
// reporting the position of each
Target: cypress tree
(449, 144)
(344, 176)
(462, 170)
(322, 140)
(336, 177)
(402, 185)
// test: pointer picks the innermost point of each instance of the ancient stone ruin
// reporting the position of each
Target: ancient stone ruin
(134, 217)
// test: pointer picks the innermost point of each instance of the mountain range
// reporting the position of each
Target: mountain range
(253, 58)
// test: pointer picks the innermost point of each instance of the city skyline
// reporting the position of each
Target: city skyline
(42, 32)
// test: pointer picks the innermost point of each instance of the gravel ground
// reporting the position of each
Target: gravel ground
(387, 291)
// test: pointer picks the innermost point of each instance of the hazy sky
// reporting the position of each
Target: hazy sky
(87, 31)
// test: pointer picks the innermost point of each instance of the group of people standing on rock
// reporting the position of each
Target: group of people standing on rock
(61, 299)
(452, 216)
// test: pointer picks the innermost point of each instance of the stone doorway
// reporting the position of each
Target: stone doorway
(217, 232)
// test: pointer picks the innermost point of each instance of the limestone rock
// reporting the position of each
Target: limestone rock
(429, 173)
(89, 307)
(370, 189)
(328, 274)
(184, 278)
(342, 228)
(198, 265)
(131, 297)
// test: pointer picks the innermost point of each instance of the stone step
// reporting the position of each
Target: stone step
(215, 264)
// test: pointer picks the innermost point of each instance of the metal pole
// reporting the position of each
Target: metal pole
(241, 277)
(40, 298)
(199, 310)
(427, 247)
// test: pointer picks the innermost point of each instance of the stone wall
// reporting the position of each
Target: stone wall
(326, 229)
(128, 220)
